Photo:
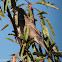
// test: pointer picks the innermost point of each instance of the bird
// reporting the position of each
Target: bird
(34, 32)
(22, 20)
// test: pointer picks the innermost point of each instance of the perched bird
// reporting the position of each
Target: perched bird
(22, 21)
(34, 32)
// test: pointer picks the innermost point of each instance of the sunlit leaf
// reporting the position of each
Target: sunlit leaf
(45, 31)
(1, 13)
(26, 33)
(28, 59)
(51, 39)
(30, 42)
(16, 0)
(41, 17)
(37, 53)
(5, 5)
(11, 40)
(22, 50)
(9, 2)
(43, 12)
(30, 55)
(5, 26)
(39, 58)
(50, 27)
(49, 60)
(21, 5)
(47, 4)
(34, 47)
(24, 56)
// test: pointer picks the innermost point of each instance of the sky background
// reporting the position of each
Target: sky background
(55, 17)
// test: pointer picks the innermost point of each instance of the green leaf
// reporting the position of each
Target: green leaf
(30, 55)
(39, 58)
(16, 0)
(41, 17)
(45, 31)
(5, 5)
(43, 12)
(5, 26)
(50, 27)
(22, 36)
(22, 50)
(23, 57)
(1, 13)
(28, 59)
(47, 4)
(9, 2)
(51, 39)
(26, 33)
(30, 42)
(37, 53)
(20, 5)
(49, 60)
(11, 40)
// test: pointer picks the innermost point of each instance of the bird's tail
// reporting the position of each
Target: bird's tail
(42, 44)
(39, 41)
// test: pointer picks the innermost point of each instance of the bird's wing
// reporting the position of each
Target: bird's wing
(28, 22)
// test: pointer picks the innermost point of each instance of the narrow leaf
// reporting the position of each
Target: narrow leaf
(26, 33)
(51, 39)
(50, 27)
(39, 58)
(5, 26)
(5, 5)
(28, 59)
(47, 4)
(45, 31)
(49, 60)
(43, 12)
(21, 5)
(11, 34)
(1, 13)
(11, 40)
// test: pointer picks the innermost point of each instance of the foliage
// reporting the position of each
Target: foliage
(26, 42)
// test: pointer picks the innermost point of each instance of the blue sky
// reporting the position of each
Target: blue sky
(55, 17)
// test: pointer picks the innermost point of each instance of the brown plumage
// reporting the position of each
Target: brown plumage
(34, 32)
